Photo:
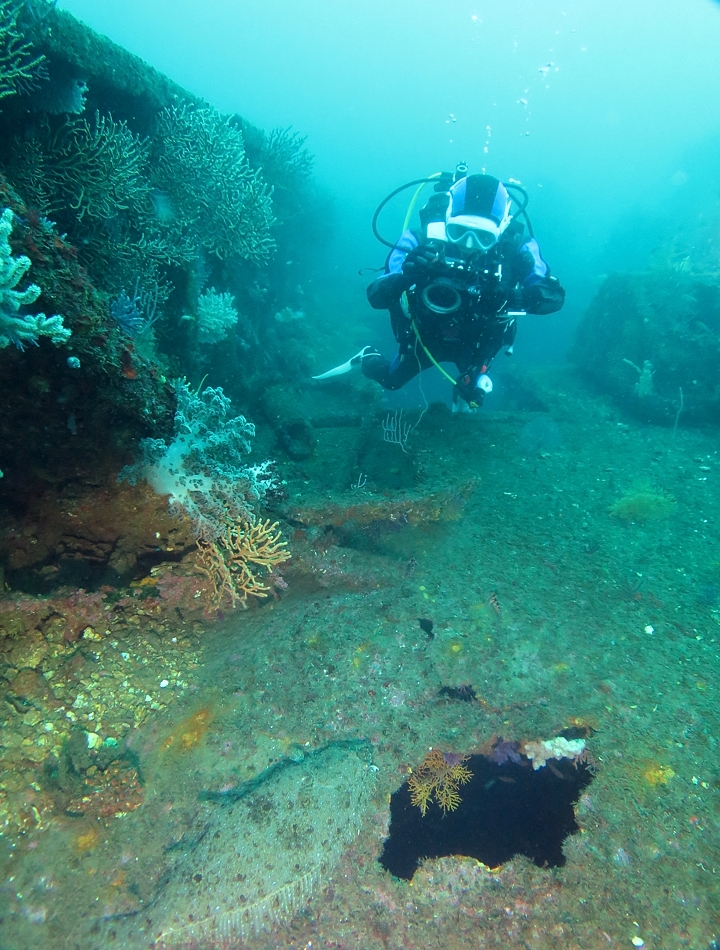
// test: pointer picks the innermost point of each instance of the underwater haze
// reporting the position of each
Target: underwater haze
(606, 111)
(308, 644)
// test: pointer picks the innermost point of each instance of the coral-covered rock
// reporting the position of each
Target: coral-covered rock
(651, 341)
(115, 791)
(29, 651)
(20, 613)
(30, 689)
(109, 527)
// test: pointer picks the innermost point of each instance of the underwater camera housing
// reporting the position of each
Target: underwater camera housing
(459, 281)
(443, 295)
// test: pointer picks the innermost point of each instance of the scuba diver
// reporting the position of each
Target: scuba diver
(455, 287)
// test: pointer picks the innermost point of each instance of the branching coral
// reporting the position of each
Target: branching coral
(285, 161)
(439, 775)
(137, 314)
(96, 170)
(14, 327)
(98, 167)
(91, 175)
(132, 209)
(19, 64)
(118, 255)
(231, 561)
(202, 471)
(217, 201)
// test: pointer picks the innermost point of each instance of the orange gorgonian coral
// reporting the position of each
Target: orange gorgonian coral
(231, 561)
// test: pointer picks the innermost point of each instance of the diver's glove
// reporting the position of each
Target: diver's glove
(419, 263)
(533, 298)
(515, 301)
(472, 388)
(544, 296)
(404, 334)
(466, 388)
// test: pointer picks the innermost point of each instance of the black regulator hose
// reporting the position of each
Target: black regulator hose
(521, 212)
(409, 184)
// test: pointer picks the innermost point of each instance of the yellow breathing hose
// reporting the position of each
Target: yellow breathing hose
(413, 200)
(430, 356)
(411, 208)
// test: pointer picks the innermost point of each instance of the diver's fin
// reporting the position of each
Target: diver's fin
(351, 363)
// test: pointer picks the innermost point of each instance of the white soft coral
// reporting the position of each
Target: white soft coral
(557, 748)
(203, 469)
(14, 327)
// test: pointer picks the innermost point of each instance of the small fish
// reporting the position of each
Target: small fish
(426, 626)
(465, 693)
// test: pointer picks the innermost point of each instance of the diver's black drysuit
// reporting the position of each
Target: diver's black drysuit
(462, 305)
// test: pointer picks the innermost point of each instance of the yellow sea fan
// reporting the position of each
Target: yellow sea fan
(439, 776)
(419, 795)
(447, 796)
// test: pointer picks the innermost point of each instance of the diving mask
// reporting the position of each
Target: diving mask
(471, 232)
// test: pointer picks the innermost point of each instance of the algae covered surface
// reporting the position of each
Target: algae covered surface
(559, 615)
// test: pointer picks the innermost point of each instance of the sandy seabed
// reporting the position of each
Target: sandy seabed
(559, 611)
